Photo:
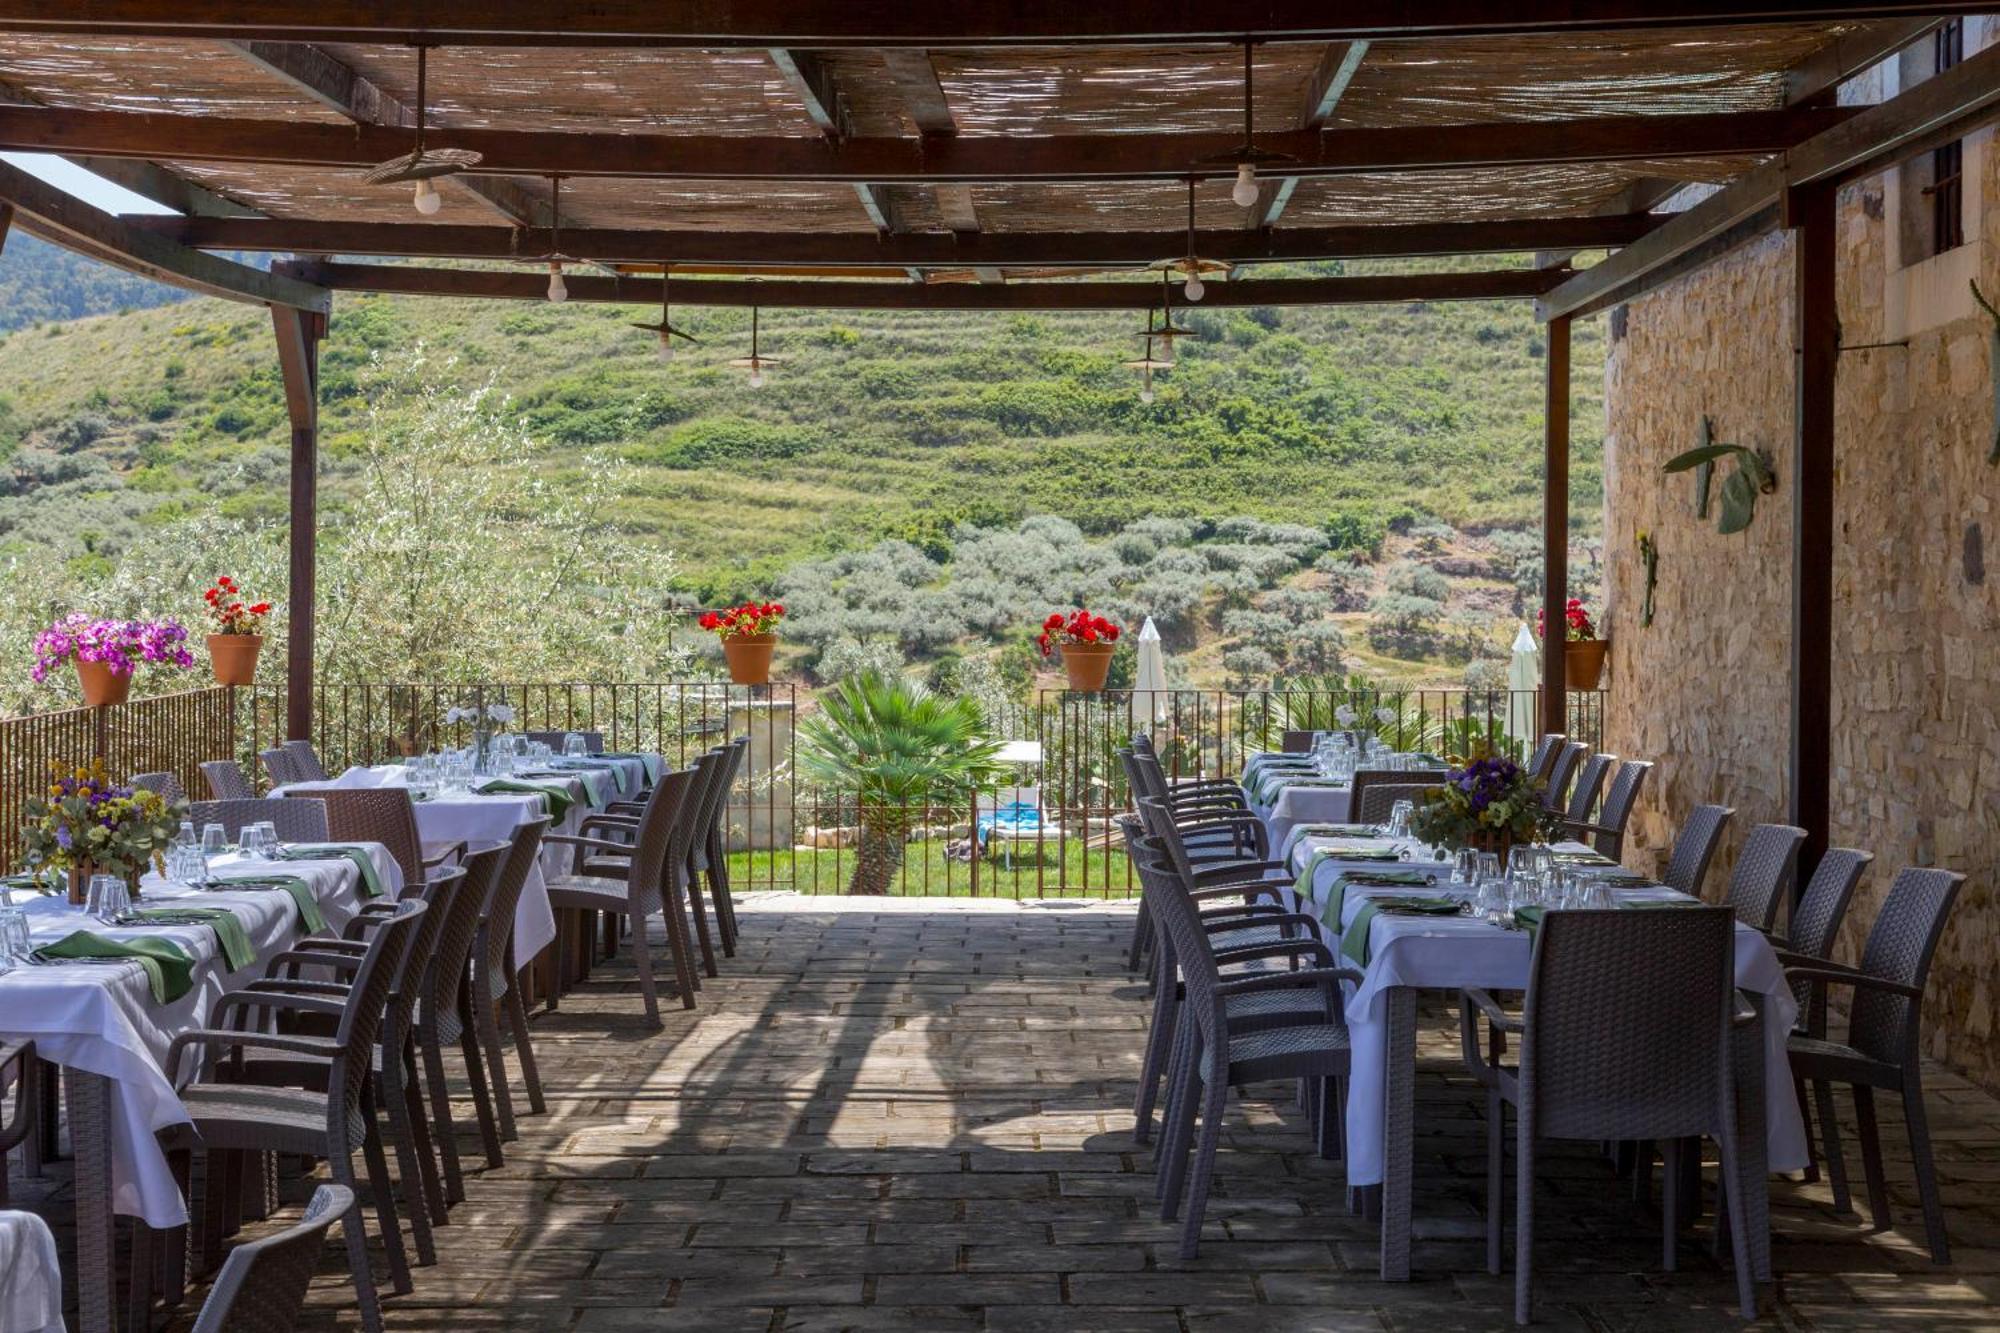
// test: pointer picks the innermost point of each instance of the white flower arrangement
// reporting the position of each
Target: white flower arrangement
(501, 713)
(1344, 715)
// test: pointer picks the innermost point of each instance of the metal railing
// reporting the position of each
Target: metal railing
(785, 834)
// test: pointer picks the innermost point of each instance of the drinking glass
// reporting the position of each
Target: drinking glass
(575, 746)
(14, 945)
(271, 840)
(1490, 899)
(1465, 866)
(214, 840)
(250, 840)
(107, 899)
(1399, 819)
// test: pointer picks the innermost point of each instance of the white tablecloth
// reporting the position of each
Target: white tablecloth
(101, 1017)
(1450, 953)
(30, 1277)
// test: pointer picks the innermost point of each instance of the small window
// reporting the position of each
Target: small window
(1947, 163)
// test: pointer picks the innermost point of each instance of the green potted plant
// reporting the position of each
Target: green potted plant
(237, 636)
(1087, 642)
(748, 634)
(105, 653)
(1488, 803)
(83, 824)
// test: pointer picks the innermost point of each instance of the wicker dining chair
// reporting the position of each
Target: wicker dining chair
(714, 860)
(1378, 802)
(1764, 870)
(1212, 1054)
(1884, 1037)
(1607, 833)
(262, 1285)
(395, 1089)
(301, 819)
(496, 985)
(1589, 783)
(386, 815)
(305, 762)
(594, 740)
(226, 780)
(166, 784)
(1810, 933)
(630, 881)
(225, 1117)
(20, 1068)
(709, 771)
(1562, 771)
(1626, 1033)
(1218, 832)
(280, 767)
(1546, 751)
(1297, 742)
(1695, 847)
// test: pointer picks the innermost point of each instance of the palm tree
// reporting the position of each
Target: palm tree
(896, 748)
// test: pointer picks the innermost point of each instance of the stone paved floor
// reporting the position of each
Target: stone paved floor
(914, 1115)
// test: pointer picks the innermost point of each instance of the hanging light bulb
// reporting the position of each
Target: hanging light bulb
(428, 200)
(666, 347)
(1194, 289)
(1146, 385)
(1245, 193)
(756, 377)
(756, 361)
(558, 290)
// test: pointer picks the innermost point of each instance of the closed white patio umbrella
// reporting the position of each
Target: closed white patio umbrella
(1524, 676)
(1149, 684)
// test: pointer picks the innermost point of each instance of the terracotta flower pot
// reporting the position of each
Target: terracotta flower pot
(749, 657)
(1583, 662)
(102, 686)
(234, 657)
(1087, 665)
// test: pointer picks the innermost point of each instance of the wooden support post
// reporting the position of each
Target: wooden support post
(299, 332)
(1555, 525)
(1816, 339)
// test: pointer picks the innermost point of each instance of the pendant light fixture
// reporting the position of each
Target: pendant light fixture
(665, 328)
(1168, 331)
(558, 289)
(422, 165)
(1191, 264)
(1249, 157)
(756, 361)
(1146, 365)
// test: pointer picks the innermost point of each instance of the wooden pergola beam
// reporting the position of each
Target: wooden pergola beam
(333, 83)
(915, 249)
(42, 210)
(968, 23)
(936, 158)
(1337, 68)
(1936, 111)
(501, 284)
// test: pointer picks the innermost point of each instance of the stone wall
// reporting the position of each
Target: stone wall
(1703, 690)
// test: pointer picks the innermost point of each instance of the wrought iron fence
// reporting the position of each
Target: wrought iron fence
(1069, 786)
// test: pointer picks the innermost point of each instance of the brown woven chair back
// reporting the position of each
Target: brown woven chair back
(497, 913)
(376, 814)
(1297, 742)
(1562, 771)
(1763, 872)
(262, 1285)
(1695, 847)
(279, 767)
(1618, 804)
(1375, 804)
(1179, 924)
(226, 781)
(1589, 782)
(704, 804)
(1815, 922)
(305, 762)
(441, 894)
(166, 784)
(367, 1000)
(554, 739)
(1883, 1025)
(1545, 752)
(457, 898)
(661, 840)
(1627, 1024)
(1364, 778)
(300, 820)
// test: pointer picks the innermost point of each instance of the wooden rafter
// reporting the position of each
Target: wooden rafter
(1936, 111)
(921, 250)
(501, 284)
(937, 158)
(44, 211)
(967, 23)
(1337, 68)
(812, 82)
(335, 84)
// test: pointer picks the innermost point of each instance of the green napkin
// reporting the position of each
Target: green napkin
(1336, 898)
(655, 766)
(32, 883)
(309, 914)
(1530, 918)
(557, 803)
(1336, 830)
(1348, 853)
(1354, 943)
(169, 970)
(371, 878)
(230, 938)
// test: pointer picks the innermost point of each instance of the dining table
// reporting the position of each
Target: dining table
(490, 807)
(108, 1021)
(1350, 882)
